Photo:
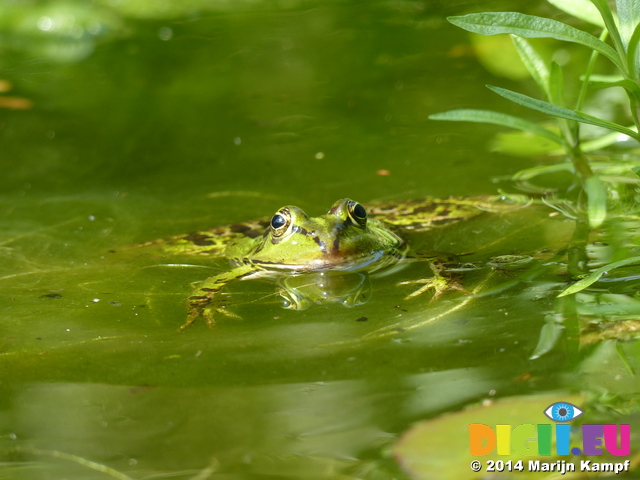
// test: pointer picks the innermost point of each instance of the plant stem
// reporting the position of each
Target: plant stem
(580, 163)
(587, 74)
(576, 250)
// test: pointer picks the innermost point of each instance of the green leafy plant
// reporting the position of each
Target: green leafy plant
(594, 276)
(623, 33)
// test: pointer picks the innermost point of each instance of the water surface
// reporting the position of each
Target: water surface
(139, 122)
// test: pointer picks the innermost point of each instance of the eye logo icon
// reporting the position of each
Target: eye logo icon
(562, 412)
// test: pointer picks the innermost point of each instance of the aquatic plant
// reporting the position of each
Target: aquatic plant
(617, 43)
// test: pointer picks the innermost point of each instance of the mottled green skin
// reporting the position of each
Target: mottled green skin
(346, 238)
(334, 241)
(401, 216)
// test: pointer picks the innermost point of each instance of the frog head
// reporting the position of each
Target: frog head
(342, 239)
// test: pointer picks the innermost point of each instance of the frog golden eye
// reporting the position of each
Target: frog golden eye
(357, 213)
(280, 223)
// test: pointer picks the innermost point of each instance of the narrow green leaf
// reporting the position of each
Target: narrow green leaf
(628, 85)
(496, 118)
(582, 9)
(600, 142)
(594, 276)
(624, 358)
(633, 55)
(628, 17)
(524, 144)
(529, 173)
(550, 333)
(570, 129)
(596, 201)
(612, 27)
(556, 84)
(536, 67)
(602, 78)
(561, 112)
(528, 26)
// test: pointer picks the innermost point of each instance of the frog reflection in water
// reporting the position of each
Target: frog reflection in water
(299, 292)
(346, 239)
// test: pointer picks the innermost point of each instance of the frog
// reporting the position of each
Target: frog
(349, 238)
(344, 239)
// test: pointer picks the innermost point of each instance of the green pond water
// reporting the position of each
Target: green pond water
(124, 122)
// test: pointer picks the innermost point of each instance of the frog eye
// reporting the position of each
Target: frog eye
(280, 222)
(357, 213)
